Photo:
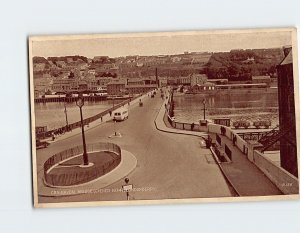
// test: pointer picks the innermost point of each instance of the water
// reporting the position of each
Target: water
(251, 105)
(53, 116)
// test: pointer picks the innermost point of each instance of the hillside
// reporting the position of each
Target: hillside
(243, 64)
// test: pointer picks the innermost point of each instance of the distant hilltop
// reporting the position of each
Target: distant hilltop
(234, 65)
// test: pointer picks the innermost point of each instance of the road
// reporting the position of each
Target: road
(169, 165)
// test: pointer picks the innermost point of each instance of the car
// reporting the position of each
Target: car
(121, 114)
(262, 123)
(241, 124)
(41, 144)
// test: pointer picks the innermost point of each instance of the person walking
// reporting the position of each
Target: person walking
(192, 126)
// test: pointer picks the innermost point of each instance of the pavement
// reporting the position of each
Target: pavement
(93, 124)
(240, 173)
(243, 175)
(169, 165)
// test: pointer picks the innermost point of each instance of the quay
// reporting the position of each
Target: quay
(68, 99)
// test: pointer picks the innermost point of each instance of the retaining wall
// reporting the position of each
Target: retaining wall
(285, 181)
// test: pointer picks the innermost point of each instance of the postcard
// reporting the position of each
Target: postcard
(168, 117)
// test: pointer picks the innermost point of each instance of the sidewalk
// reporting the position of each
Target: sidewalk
(93, 124)
(243, 175)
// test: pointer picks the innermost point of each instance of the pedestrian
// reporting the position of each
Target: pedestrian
(234, 139)
(110, 112)
(221, 129)
(101, 118)
(192, 126)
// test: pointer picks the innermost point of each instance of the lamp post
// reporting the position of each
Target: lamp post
(66, 114)
(204, 108)
(80, 103)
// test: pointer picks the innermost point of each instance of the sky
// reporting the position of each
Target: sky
(156, 44)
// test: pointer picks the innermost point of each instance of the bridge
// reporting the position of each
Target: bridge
(174, 165)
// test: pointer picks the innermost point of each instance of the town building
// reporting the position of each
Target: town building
(198, 79)
(64, 85)
(261, 79)
(42, 85)
(219, 81)
(202, 88)
(116, 87)
(103, 81)
(135, 81)
(138, 89)
(163, 81)
(287, 120)
(185, 81)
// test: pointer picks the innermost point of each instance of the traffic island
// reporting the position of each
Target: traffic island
(66, 168)
(126, 166)
(73, 172)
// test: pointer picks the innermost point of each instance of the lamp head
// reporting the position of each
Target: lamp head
(80, 101)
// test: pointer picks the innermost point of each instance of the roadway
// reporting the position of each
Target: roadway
(170, 166)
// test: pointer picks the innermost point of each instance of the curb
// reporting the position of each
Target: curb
(166, 131)
(94, 186)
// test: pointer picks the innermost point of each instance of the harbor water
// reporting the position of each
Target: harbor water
(251, 105)
(52, 114)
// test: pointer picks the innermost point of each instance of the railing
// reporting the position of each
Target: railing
(85, 121)
(176, 124)
(79, 177)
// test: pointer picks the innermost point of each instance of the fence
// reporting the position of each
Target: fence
(175, 124)
(228, 152)
(80, 177)
(85, 121)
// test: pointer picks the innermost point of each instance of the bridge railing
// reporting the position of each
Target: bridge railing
(86, 121)
(176, 124)
(79, 177)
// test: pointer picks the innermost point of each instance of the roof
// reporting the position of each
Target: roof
(135, 79)
(261, 77)
(145, 86)
(205, 84)
(116, 82)
(288, 59)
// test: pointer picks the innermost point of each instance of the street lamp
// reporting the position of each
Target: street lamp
(67, 124)
(80, 103)
(204, 103)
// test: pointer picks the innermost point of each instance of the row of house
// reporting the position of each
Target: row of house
(131, 86)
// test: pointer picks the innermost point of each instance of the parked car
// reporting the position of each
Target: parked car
(241, 124)
(265, 124)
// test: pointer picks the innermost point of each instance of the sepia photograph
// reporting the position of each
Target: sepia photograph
(165, 117)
